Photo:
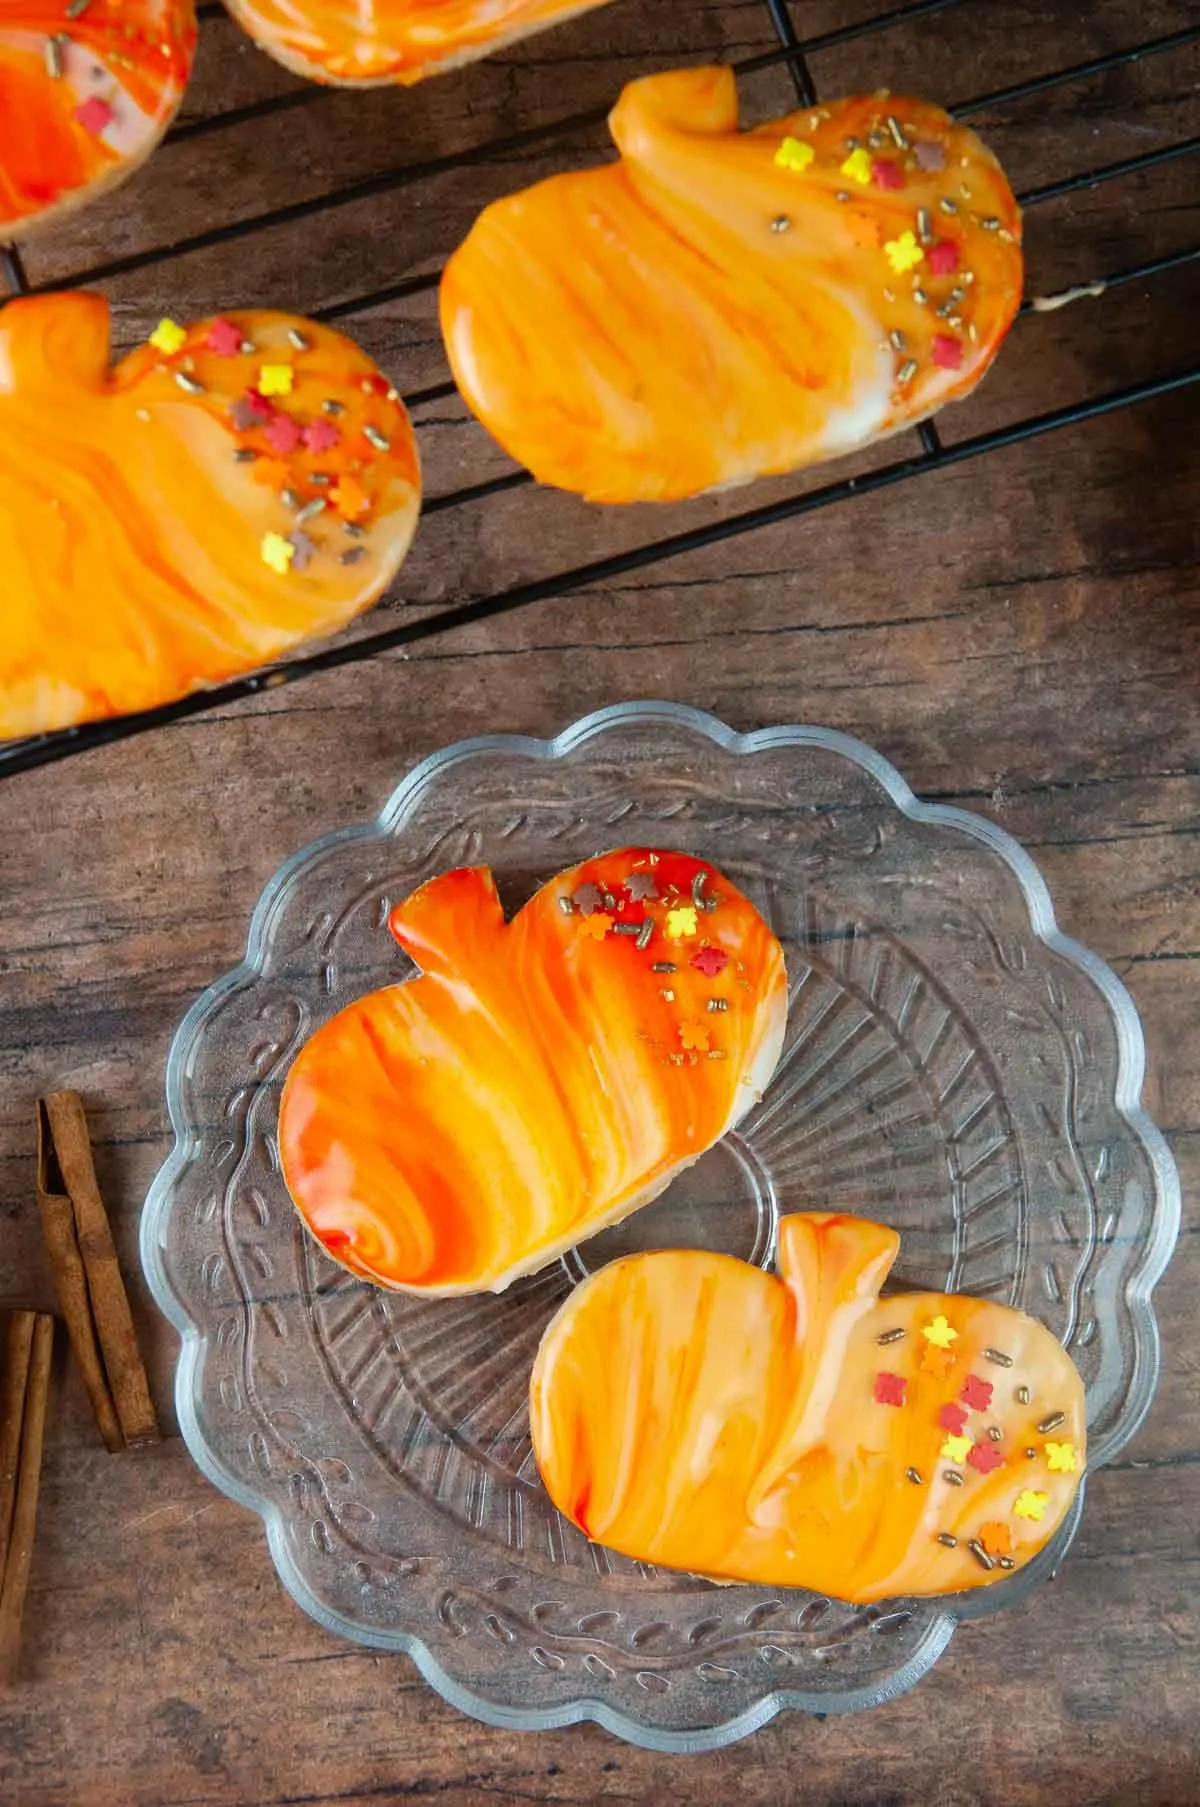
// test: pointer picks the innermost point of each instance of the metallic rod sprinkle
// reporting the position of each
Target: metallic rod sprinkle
(77, 8)
(320, 477)
(890, 1336)
(951, 1475)
(1023, 1395)
(998, 1356)
(914, 1475)
(188, 383)
(317, 506)
(353, 529)
(297, 339)
(1006, 1562)
(907, 371)
(699, 880)
(1051, 1423)
(924, 225)
(896, 339)
(947, 205)
(897, 131)
(245, 454)
(995, 1433)
(627, 928)
(567, 905)
(332, 407)
(946, 1538)
(1031, 1453)
(980, 1554)
(990, 225)
(54, 56)
(664, 966)
(718, 1004)
(247, 347)
(289, 498)
(379, 440)
(781, 223)
(919, 296)
(352, 557)
(717, 1054)
(645, 933)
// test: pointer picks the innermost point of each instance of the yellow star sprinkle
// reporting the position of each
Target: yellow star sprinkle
(858, 167)
(1062, 1458)
(168, 336)
(596, 925)
(681, 922)
(1031, 1505)
(795, 155)
(904, 253)
(278, 553)
(939, 1332)
(277, 379)
(694, 1036)
(955, 1448)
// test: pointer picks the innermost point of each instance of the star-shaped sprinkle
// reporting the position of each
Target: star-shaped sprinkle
(955, 1449)
(1061, 1458)
(641, 887)
(976, 1393)
(95, 116)
(890, 1388)
(940, 1332)
(303, 549)
(886, 174)
(936, 1361)
(858, 167)
(984, 1457)
(929, 155)
(710, 961)
(795, 155)
(283, 435)
(904, 253)
(278, 552)
(587, 899)
(596, 925)
(996, 1538)
(349, 498)
(276, 379)
(694, 1036)
(272, 473)
(952, 1418)
(320, 437)
(244, 414)
(1031, 1504)
(947, 352)
(168, 336)
(224, 338)
(943, 257)
(681, 922)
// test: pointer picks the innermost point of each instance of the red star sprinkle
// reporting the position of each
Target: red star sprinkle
(224, 338)
(890, 1388)
(984, 1457)
(320, 437)
(942, 257)
(259, 405)
(710, 961)
(886, 174)
(952, 1418)
(947, 352)
(283, 435)
(95, 115)
(976, 1393)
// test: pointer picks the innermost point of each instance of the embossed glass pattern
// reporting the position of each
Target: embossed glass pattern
(953, 1065)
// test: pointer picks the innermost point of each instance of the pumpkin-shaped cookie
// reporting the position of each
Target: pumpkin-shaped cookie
(719, 304)
(87, 89)
(541, 1078)
(689, 1410)
(226, 491)
(370, 43)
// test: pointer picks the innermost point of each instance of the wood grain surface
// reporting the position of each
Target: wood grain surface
(1018, 634)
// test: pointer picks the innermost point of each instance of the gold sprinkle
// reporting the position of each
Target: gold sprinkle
(907, 371)
(972, 331)
(968, 277)
(1008, 237)
(1051, 1423)
(919, 296)
(980, 1554)
(950, 1542)
(668, 994)
(947, 205)
(718, 1004)
(781, 223)
(998, 1356)
(247, 347)
(842, 194)
(1031, 1453)
(948, 306)
(888, 295)
(995, 1433)
(290, 498)
(567, 906)
(876, 141)
(297, 339)
(142, 413)
(1023, 1395)
(896, 339)
(952, 1475)
(188, 383)
(890, 1336)
(379, 440)
(914, 1475)
(853, 144)
(1006, 1562)
(990, 224)
(716, 1054)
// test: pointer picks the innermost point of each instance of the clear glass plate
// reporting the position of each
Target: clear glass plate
(954, 1065)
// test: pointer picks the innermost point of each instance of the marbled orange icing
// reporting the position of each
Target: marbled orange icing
(719, 305)
(541, 1078)
(689, 1410)
(84, 99)
(140, 503)
(369, 42)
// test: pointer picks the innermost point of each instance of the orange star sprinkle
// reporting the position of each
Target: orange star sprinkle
(271, 471)
(996, 1538)
(937, 1362)
(1031, 1504)
(596, 925)
(351, 500)
(940, 1332)
(694, 1035)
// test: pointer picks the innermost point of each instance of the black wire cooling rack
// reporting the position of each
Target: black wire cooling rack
(793, 53)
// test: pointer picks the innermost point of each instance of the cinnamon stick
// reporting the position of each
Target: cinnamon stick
(29, 1476)
(18, 1341)
(67, 1156)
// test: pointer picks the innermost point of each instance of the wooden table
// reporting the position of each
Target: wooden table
(1018, 634)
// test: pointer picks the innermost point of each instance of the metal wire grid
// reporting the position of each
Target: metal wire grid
(793, 53)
